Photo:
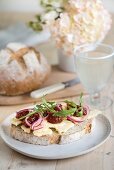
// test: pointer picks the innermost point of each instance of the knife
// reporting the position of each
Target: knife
(53, 88)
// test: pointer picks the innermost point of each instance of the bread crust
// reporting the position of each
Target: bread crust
(21, 73)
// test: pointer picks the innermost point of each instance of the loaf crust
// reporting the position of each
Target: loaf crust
(22, 71)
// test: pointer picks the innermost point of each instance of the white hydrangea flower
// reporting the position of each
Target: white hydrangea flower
(84, 21)
(80, 22)
(70, 38)
(65, 20)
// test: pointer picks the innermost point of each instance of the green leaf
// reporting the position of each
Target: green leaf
(65, 113)
(72, 104)
(81, 99)
(36, 26)
(80, 114)
(49, 8)
(38, 17)
(39, 108)
(52, 103)
(48, 105)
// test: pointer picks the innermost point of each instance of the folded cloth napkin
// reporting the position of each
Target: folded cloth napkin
(20, 32)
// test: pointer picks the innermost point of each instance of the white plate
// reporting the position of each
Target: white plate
(89, 142)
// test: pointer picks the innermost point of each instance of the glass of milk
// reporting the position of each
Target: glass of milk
(94, 66)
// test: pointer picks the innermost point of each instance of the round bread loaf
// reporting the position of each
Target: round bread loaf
(22, 69)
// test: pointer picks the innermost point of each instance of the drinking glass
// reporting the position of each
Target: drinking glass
(94, 66)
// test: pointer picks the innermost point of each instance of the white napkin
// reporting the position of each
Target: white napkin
(20, 32)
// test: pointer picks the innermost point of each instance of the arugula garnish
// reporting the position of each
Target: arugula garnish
(50, 107)
(79, 107)
(72, 104)
(81, 99)
(80, 113)
(64, 113)
(45, 106)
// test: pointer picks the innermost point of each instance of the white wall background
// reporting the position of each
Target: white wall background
(33, 5)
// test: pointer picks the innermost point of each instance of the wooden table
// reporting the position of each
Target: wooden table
(100, 159)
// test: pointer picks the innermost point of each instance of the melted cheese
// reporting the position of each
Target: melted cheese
(60, 127)
(16, 122)
(27, 130)
(42, 132)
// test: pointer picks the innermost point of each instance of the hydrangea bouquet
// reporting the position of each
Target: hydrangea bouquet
(73, 22)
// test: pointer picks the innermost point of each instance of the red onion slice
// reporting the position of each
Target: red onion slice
(75, 120)
(37, 123)
(87, 109)
(38, 127)
(27, 122)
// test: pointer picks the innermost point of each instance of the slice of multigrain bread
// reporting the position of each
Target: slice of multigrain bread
(73, 134)
(59, 133)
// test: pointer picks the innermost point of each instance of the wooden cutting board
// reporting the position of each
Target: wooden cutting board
(56, 76)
